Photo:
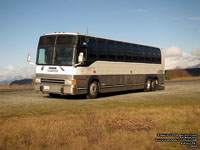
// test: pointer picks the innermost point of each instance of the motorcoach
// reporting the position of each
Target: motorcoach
(72, 63)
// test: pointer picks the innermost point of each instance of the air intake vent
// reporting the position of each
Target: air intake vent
(54, 81)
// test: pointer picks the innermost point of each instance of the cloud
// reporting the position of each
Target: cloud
(196, 52)
(194, 18)
(179, 59)
(6, 71)
(173, 51)
(10, 73)
(10, 67)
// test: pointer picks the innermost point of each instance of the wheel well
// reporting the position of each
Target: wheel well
(92, 79)
(155, 78)
(147, 77)
(151, 77)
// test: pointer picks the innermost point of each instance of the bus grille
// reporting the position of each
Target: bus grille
(54, 81)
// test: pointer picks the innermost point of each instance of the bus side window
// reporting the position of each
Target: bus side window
(135, 53)
(128, 52)
(158, 53)
(153, 50)
(120, 52)
(102, 49)
(111, 51)
(148, 55)
(92, 54)
(141, 54)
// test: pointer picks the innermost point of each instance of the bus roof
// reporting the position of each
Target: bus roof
(61, 33)
(68, 33)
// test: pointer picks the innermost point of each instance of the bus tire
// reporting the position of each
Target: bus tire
(154, 84)
(147, 87)
(54, 95)
(93, 90)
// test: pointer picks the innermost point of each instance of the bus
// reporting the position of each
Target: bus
(73, 63)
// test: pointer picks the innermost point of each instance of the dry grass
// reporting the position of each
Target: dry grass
(114, 129)
(29, 121)
(185, 78)
(177, 73)
(180, 74)
(15, 86)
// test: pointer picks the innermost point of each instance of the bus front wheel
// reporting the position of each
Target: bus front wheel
(93, 90)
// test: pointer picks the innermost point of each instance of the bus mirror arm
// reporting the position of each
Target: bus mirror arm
(75, 65)
(29, 59)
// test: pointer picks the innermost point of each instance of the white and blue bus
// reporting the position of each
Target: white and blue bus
(72, 63)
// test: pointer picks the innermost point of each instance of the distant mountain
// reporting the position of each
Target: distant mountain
(178, 73)
(5, 82)
(193, 71)
(21, 82)
(196, 66)
(10, 73)
(9, 80)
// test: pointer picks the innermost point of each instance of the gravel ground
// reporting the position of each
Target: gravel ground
(29, 99)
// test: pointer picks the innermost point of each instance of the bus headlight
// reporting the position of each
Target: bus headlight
(37, 80)
(70, 82)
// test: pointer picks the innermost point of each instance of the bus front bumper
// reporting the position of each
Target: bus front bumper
(59, 89)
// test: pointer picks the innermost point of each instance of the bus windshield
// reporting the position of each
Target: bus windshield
(61, 56)
(64, 56)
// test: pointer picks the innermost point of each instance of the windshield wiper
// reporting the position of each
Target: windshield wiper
(42, 68)
(62, 68)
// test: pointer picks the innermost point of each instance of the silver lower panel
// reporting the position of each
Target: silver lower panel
(108, 83)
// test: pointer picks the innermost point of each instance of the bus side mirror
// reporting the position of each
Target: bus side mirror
(81, 58)
(29, 59)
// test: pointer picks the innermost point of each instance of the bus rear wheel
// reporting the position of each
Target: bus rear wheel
(154, 84)
(93, 90)
(147, 87)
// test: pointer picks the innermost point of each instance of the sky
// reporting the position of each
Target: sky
(173, 25)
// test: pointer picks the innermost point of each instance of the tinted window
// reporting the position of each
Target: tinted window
(154, 59)
(66, 40)
(101, 49)
(128, 52)
(92, 55)
(45, 55)
(158, 55)
(135, 53)
(47, 40)
(148, 54)
(141, 54)
(63, 55)
(120, 51)
(111, 50)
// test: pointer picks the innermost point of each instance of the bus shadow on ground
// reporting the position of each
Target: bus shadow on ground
(101, 95)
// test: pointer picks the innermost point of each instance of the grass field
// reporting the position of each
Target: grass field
(120, 121)
(7, 87)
